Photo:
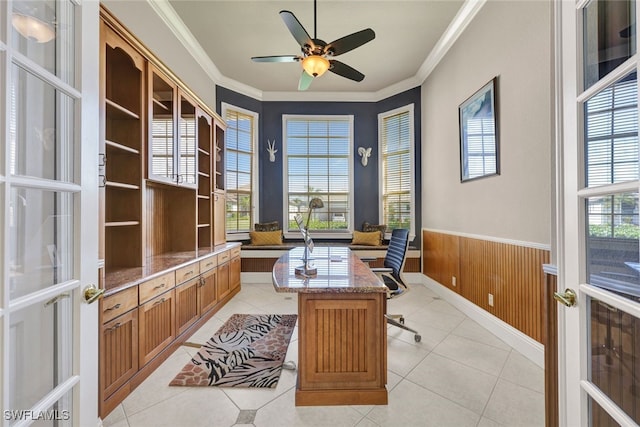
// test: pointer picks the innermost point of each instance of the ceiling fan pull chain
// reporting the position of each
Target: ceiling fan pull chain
(315, 19)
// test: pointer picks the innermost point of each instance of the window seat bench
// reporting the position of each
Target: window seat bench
(260, 259)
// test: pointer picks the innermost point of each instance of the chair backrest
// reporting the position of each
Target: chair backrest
(397, 251)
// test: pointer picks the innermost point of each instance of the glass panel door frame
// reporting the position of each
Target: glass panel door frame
(76, 176)
(576, 392)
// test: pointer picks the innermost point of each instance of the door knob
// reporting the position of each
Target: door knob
(568, 297)
(91, 293)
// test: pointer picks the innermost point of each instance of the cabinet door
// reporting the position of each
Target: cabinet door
(187, 304)
(156, 326)
(186, 143)
(162, 129)
(118, 352)
(234, 273)
(223, 280)
(219, 215)
(208, 292)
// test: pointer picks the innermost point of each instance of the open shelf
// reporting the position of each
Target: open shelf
(117, 146)
(121, 223)
(119, 111)
(122, 185)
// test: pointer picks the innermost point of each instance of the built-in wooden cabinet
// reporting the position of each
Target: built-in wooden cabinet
(234, 269)
(162, 213)
(119, 340)
(121, 153)
(156, 325)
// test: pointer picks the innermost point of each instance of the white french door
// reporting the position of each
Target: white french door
(598, 250)
(49, 211)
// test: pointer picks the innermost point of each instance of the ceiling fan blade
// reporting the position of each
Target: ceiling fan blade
(295, 27)
(342, 69)
(350, 42)
(305, 81)
(275, 58)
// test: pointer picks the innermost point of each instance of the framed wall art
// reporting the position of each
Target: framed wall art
(479, 148)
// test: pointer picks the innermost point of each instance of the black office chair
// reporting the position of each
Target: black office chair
(391, 275)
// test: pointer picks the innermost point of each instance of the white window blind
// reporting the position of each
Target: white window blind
(318, 164)
(612, 134)
(239, 137)
(397, 166)
(162, 146)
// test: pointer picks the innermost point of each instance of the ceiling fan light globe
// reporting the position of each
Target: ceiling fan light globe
(315, 65)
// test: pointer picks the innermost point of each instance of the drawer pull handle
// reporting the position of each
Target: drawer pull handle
(160, 301)
(160, 286)
(188, 273)
(115, 307)
(114, 327)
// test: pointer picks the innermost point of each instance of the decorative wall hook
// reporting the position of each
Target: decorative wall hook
(271, 148)
(365, 153)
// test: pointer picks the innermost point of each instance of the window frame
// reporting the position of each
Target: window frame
(294, 232)
(410, 109)
(255, 188)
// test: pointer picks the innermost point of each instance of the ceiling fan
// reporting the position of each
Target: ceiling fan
(317, 55)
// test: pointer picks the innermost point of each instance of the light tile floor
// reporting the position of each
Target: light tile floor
(458, 375)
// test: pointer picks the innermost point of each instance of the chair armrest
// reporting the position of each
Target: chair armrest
(382, 270)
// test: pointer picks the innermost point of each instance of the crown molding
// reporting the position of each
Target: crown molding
(457, 26)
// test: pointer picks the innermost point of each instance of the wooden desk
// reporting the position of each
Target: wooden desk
(342, 333)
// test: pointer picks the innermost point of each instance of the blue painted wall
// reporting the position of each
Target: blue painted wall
(365, 130)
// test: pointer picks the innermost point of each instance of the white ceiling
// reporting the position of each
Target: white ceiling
(229, 33)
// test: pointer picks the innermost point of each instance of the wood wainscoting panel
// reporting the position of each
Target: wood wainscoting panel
(512, 274)
(440, 255)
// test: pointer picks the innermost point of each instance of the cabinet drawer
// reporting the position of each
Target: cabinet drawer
(208, 263)
(156, 286)
(117, 304)
(223, 257)
(189, 272)
(235, 252)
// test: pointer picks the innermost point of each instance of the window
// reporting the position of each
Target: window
(318, 164)
(396, 140)
(241, 164)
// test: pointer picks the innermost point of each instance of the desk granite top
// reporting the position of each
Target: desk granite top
(339, 271)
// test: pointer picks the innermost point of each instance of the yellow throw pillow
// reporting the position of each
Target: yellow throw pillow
(369, 238)
(264, 238)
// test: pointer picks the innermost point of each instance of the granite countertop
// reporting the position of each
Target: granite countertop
(122, 278)
(339, 271)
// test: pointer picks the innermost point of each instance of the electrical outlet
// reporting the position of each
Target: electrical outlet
(491, 300)
(453, 281)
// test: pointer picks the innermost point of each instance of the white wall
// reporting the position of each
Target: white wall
(141, 20)
(512, 40)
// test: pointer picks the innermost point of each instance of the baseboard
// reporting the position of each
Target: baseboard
(524, 344)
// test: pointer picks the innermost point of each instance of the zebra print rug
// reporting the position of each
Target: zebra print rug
(247, 351)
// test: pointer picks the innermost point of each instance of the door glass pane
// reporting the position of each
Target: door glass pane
(40, 351)
(187, 142)
(162, 129)
(609, 37)
(611, 134)
(40, 240)
(41, 128)
(43, 31)
(614, 350)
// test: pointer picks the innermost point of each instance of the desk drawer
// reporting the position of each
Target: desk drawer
(223, 257)
(119, 303)
(208, 263)
(235, 252)
(153, 287)
(189, 272)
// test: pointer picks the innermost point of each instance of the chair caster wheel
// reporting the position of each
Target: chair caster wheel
(401, 320)
(417, 338)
